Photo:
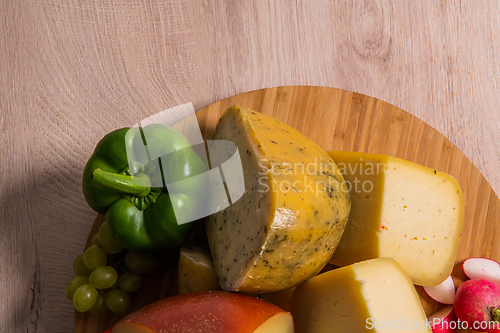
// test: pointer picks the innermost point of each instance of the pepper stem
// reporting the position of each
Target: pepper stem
(495, 314)
(122, 183)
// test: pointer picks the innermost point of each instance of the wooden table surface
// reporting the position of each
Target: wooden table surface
(71, 71)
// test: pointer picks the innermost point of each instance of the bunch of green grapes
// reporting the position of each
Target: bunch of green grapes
(106, 274)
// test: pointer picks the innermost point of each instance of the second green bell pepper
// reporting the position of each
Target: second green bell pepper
(129, 189)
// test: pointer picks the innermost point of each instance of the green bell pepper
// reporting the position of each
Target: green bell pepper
(130, 190)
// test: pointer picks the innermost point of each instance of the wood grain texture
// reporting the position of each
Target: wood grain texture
(341, 120)
(70, 71)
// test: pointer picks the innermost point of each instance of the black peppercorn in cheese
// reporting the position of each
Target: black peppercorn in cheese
(287, 224)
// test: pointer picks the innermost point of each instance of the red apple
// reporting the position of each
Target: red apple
(207, 312)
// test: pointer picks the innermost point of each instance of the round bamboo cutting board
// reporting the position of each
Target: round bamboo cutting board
(342, 120)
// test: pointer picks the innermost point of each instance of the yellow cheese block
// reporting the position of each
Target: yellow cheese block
(401, 210)
(196, 270)
(371, 296)
(285, 227)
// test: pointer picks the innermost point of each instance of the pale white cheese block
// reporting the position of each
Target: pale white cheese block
(401, 210)
(371, 296)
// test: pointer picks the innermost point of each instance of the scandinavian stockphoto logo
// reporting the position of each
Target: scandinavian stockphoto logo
(208, 192)
(359, 180)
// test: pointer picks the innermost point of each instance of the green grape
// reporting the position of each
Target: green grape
(94, 257)
(74, 284)
(99, 306)
(84, 298)
(103, 277)
(95, 239)
(80, 268)
(107, 241)
(140, 263)
(130, 282)
(117, 301)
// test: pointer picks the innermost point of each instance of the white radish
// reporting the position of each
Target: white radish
(482, 268)
(444, 320)
(443, 293)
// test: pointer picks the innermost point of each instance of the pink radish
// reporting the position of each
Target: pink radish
(477, 303)
(443, 293)
(482, 268)
(444, 320)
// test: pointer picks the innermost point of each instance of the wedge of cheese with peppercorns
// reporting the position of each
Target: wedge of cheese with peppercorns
(401, 210)
(286, 226)
(195, 270)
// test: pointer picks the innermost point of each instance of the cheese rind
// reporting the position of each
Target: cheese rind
(285, 227)
(371, 296)
(401, 210)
